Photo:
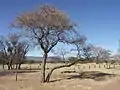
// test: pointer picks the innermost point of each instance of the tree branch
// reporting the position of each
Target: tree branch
(58, 67)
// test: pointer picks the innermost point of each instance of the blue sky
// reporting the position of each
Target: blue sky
(98, 20)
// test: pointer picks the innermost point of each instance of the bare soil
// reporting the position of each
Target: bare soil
(63, 79)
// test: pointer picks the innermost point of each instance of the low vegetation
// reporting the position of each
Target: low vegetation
(47, 27)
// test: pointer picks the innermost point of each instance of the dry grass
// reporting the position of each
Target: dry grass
(77, 77)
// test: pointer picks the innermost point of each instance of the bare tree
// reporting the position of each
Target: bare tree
(79, 43)
(2, 56)
(21, 51)
(61, 52)
(48, 26)
(100, 53)
(13, 50)
(4, 51)
(116, 57)
(11, 43)
(87, 51)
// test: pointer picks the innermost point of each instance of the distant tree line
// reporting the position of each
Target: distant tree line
(46, 27)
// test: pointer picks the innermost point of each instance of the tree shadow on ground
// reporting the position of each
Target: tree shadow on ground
(34, 69)
(55, 80)
(95, 75)
(5, 73)
(69, 71)
(12, 72)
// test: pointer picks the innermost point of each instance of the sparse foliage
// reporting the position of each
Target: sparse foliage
(79, 43)
(61, 52)
(48, 26)
(13, 50)
(100, 53)
(87, 52)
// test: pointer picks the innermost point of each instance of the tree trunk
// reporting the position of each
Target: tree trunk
(58, 67)
(49, 75)
(19, 66)
(43, 68)
(16, 66)
(3, 66)
(9, 67)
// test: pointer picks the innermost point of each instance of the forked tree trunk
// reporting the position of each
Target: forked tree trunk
(58, 67)
(43, 68)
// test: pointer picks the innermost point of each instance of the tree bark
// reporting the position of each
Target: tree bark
(3, 66)
(19, 66)
(58, 67)
(9, 65)
(43, 68)
(16, 66)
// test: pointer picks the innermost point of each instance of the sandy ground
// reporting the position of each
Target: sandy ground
(84, 79)
(114, 85)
